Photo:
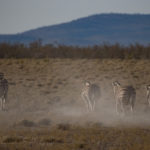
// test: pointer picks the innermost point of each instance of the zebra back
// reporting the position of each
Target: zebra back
(125, 93)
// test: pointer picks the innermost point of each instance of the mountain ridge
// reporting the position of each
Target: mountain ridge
(92, 30)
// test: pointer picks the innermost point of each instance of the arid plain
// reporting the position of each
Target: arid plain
(44, 109)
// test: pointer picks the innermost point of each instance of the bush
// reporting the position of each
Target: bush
(12, 139)
(26, 123)
(62, 126)
(44, 121)
(36, 50)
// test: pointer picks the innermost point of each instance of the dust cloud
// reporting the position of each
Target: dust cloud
(76, 113)
(105, 115)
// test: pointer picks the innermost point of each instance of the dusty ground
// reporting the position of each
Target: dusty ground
(44, 102)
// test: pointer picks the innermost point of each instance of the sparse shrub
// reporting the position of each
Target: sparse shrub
(81, 146)
(12, 83)
(49, 140)
(55, 100)
(26, 123)
(40, 85)
(63, 126)
(52, 140)
(59, 82)
(12, 139)
(46, 92)
(55, 87)
(97, 124)
(46, 59)
(44, 121)
(21, 67)
(36, 50)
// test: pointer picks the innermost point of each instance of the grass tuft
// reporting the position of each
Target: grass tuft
(12, 139)
(45, 122)
(26, 123)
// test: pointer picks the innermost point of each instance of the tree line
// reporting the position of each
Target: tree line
(37, 50)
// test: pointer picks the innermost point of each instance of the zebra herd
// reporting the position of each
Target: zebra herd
(124, 96)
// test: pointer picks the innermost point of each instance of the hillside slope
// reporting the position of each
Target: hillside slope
(96, 29)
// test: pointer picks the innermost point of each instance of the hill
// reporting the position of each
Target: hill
(96, 29)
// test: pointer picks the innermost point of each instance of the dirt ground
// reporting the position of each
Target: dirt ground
(44, 105)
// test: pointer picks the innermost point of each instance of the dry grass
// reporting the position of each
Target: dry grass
(44, 105)
(77, 137)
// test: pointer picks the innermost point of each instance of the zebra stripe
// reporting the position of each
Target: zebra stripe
(90, 94)
(124, 95)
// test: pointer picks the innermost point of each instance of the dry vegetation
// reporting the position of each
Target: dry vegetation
(37, 50)
(45, 111)
(76, 137)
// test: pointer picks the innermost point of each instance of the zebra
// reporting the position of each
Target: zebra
(124, 95)
(148, 94)
(3, 90)
(90, 94)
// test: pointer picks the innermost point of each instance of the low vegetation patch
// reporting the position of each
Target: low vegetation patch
(26, 123)
(79, 137)
(63, 126)
(44, 121)
(136, 51)
(12, 139)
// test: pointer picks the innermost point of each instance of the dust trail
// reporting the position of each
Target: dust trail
(105, 114)
(76, 113)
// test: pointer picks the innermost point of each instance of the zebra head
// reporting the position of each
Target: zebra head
(87, 83)
(116, 83)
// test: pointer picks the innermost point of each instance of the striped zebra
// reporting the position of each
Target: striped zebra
(148, 94)
(3, 90)
(124, 95)
(90, 94)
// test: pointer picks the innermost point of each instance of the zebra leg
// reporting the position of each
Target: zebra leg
(122, 108)
(131, 109)
(131, 105)
(90, 105)
(85, 101)
(117, 107)
(93, 105)
(1, 103)
(4, 100)
(148, 100)
(87, 104)
(132, 101)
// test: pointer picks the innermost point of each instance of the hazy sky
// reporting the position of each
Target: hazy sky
(21, 15)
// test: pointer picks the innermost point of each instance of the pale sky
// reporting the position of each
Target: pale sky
(20, 15)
